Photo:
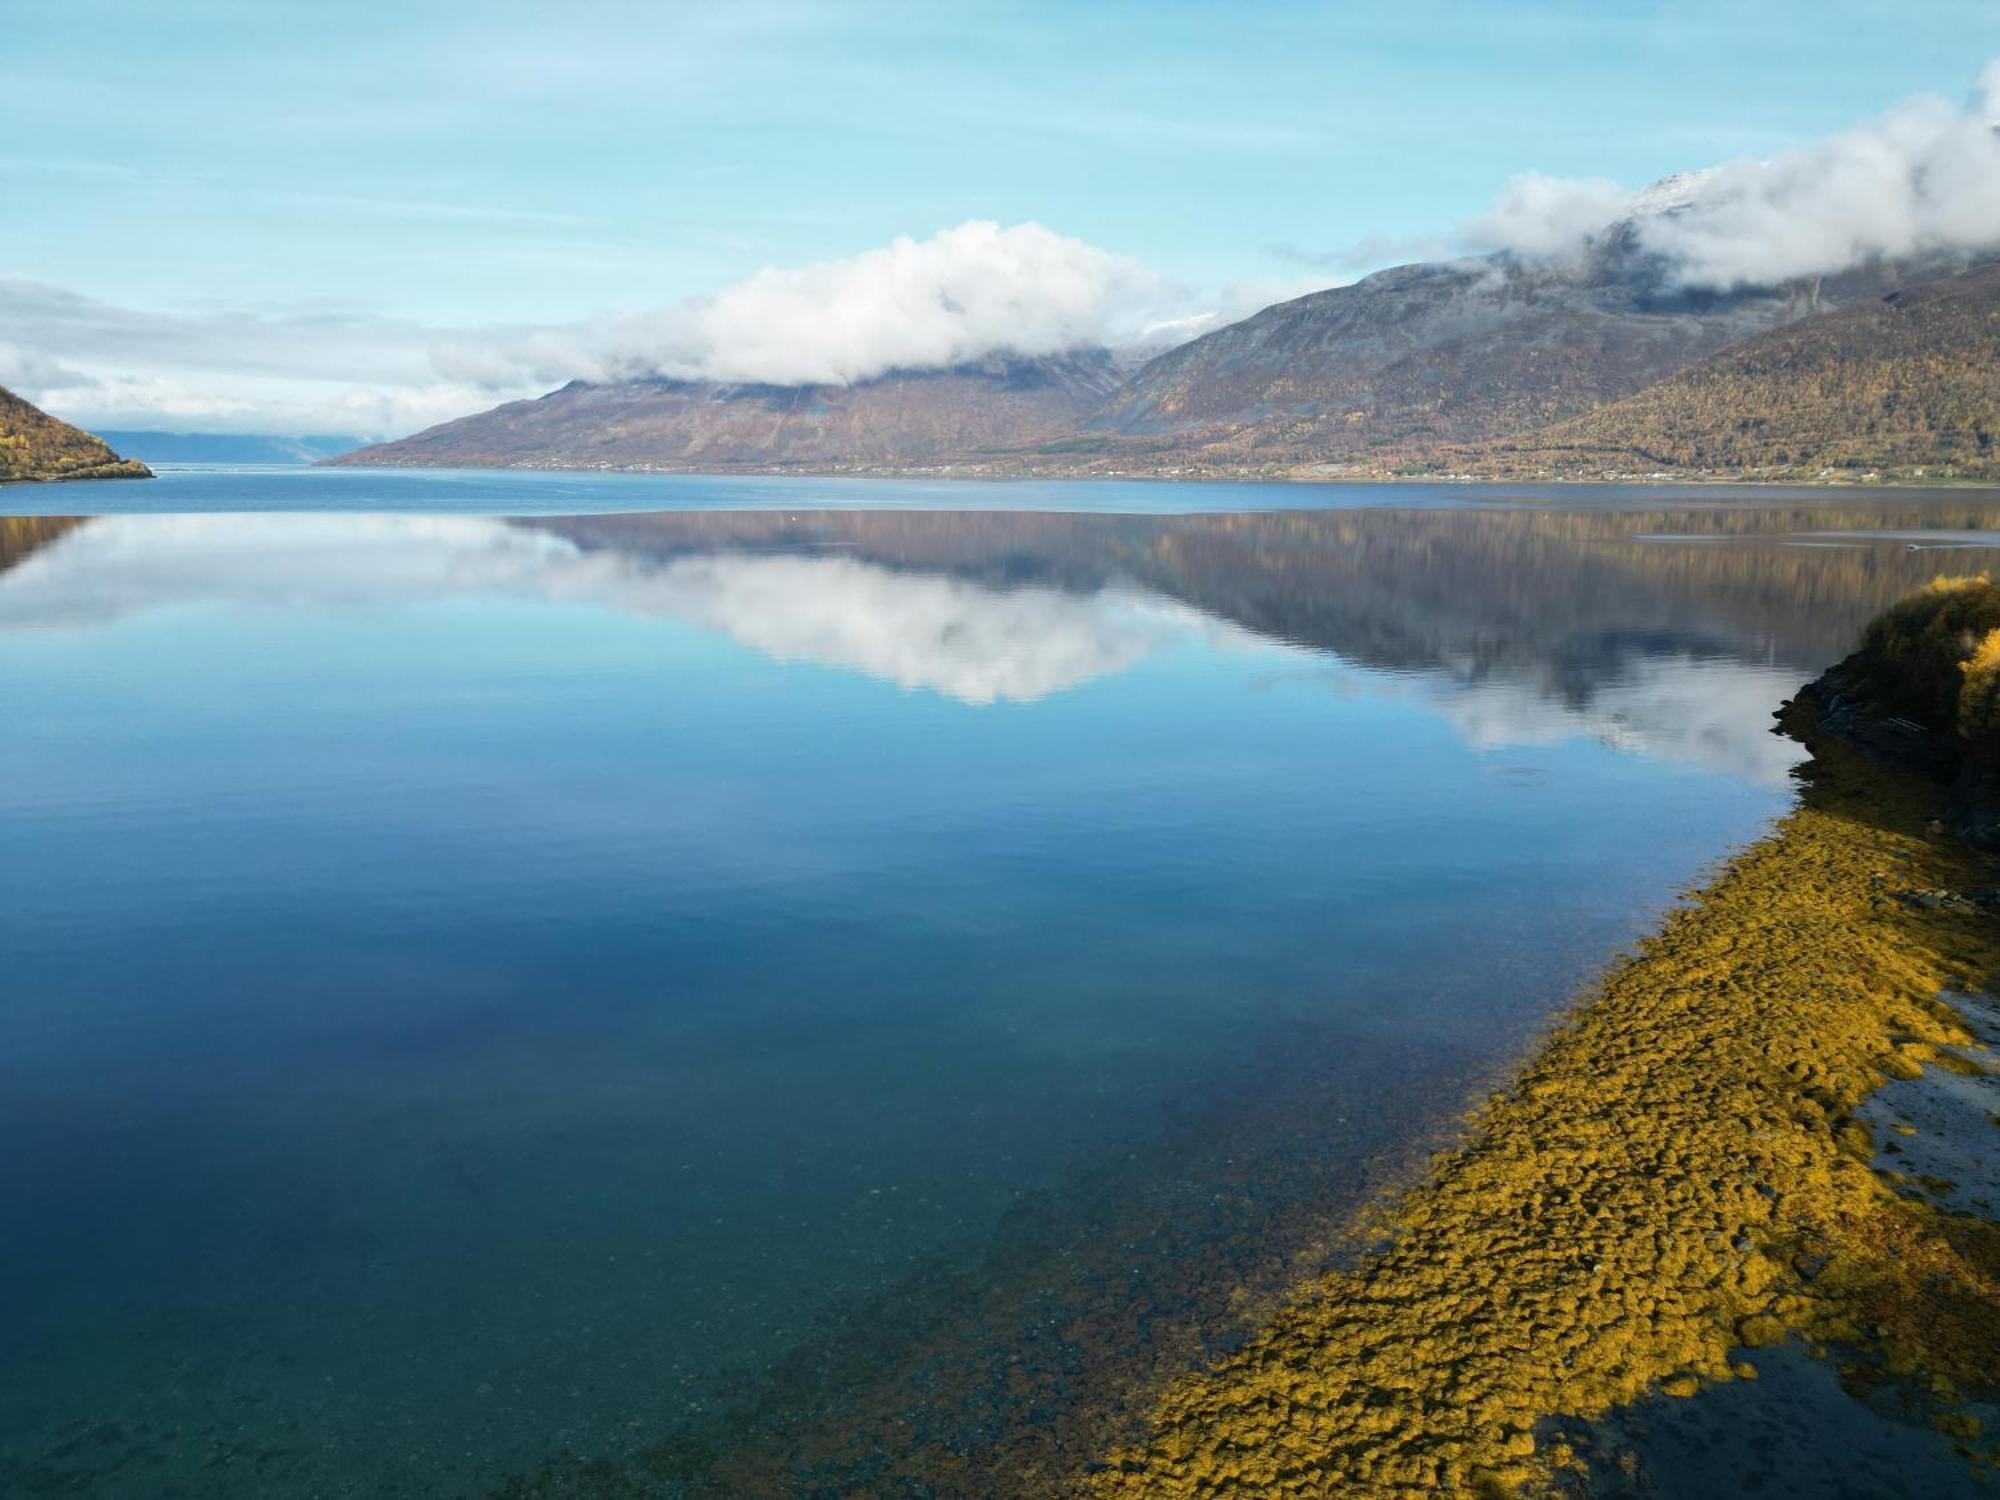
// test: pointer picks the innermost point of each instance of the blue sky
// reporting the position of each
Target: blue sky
(427, 163)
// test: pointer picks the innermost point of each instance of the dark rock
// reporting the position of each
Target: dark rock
(1849, 710)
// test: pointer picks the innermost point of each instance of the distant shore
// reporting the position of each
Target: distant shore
(1683, 1175)
(1285, 475)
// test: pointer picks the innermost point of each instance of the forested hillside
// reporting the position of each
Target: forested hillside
(34, 445)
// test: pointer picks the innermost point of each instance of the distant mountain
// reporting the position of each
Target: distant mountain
(231, 447)
(1906, 384)
(904, 417)
(34, 445)
(1603, 365)
(1453, 352)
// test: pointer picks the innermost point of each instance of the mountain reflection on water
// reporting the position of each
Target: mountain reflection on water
(1520, 627)
(799, 1001)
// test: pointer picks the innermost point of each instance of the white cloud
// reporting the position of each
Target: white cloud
(32, 370)
(1923, 177)
(960, 296)
(256, 404)
(224, 368)
(304, 341)
(1544, 217)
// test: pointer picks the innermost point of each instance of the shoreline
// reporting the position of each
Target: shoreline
(1679, 1174)
(1176, 475)
(128, 468)
(1693, 1189)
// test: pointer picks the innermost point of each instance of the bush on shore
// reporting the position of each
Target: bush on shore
(1936, 657)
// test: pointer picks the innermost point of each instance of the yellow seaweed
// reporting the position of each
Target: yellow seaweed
(1678, 1174)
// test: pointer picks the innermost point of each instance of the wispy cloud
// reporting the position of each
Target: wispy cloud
(959, 296)
(1924, 177)
(224, 366)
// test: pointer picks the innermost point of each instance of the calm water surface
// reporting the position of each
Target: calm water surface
(776, 995)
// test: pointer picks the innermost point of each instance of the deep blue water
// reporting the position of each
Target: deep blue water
(481, 988)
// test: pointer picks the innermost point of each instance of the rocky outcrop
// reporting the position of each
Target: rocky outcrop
(36, 446)
(1919, 695)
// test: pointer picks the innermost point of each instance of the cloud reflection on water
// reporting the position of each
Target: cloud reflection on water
(968, 641)
(1685, 709)
(973, 641)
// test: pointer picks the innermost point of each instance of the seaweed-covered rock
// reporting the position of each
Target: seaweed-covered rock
(1923, 693)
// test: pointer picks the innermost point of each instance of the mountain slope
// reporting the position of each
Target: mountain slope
(1905, 383)
(898, 418)
(1460, 351)
(34, 445)
(1492, 366)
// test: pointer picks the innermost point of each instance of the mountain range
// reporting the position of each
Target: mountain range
(35, 445)
(1602, 366)
(900, 418)
(1907, 384)
(1421, 366)
(230, 447)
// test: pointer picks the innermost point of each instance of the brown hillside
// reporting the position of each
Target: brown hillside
(897, 418)
(34, 445)
(1906, 383)
(1458, 352)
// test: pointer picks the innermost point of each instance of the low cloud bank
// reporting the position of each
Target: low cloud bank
(1924, 177)
(962, 295)
(226, 368)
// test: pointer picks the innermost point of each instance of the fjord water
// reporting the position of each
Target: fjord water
(483, 990)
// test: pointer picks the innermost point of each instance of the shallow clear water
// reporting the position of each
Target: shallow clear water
(482, 989)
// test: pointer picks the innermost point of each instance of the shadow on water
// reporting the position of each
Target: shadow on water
(1792, 1433)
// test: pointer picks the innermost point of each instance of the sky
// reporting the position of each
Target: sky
(367, 216)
